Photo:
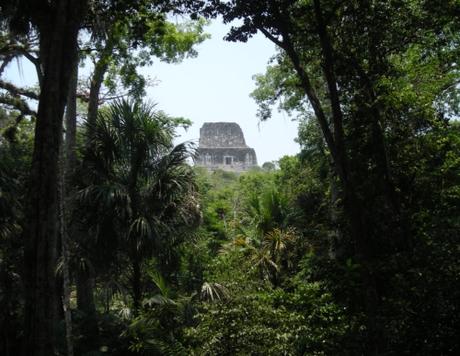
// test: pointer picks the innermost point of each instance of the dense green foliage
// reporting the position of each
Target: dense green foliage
(258, 276)
(349, 248)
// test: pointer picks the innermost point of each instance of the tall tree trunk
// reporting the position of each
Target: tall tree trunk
(65, 262)
(58, 27)
(361, 231)
(352, 204)
(68, 163)
(136, 256)
(85, 281)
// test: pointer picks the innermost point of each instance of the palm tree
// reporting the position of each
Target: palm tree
(278, 245)
(139, 182)
(268, 210)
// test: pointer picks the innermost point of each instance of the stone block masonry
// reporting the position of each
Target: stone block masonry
(222, 146)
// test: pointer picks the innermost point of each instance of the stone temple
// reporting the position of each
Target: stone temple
(222, 146)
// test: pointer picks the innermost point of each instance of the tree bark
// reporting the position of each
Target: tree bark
(85, 304)
(71, 125)
(95, 89)
(329, 74)
(100, 68)
(65, 261)
(68, 163)
(58, 27)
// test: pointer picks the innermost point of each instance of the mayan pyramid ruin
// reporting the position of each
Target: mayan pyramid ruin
(222, 146)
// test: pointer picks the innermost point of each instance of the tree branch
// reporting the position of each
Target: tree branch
(312, 96)
(271, 37)
(12, 50)
(17, 103)
(17, 91)
(5, 62)
(329, 73)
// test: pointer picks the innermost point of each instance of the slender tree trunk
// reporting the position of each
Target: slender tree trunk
(58, 47)
(337, 248)
(136, 257)
(65, 263)
(86, 305)
(68, 163)
(338, 155)
(100, 68)
(353, 206)
(85, 287)
(95, 89)
(84, 280)
(71, 126)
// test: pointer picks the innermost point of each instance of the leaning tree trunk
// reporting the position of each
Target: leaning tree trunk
(95, 89)
(335, 140)
(100, 69)
(58, 24)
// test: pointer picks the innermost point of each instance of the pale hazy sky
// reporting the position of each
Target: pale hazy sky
(215, 86)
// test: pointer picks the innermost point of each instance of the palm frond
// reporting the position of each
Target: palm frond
(277, 240)
(212, 291)
(160, 283)
(139, 229)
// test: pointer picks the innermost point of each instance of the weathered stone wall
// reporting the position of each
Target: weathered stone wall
(227, 158)
(221, 134)
(222, 146)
